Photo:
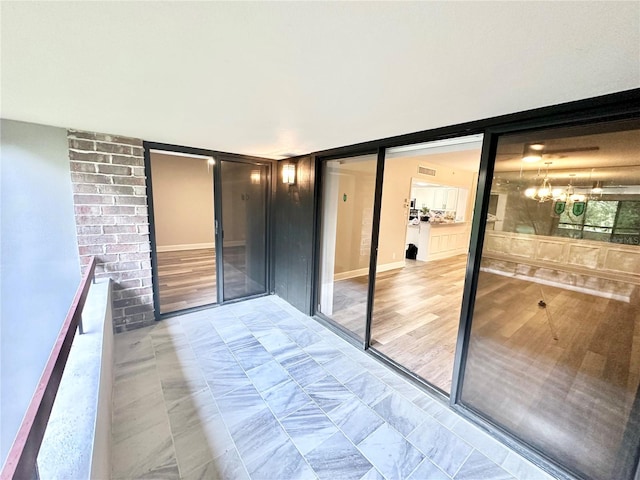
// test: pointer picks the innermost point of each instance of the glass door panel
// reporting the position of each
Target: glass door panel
(244, 194)
(425, 223)
(183, 212)
(554, 349)
(348, 188)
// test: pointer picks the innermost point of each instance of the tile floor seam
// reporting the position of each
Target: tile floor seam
(266, 405)
(473, 449)
(222, 416)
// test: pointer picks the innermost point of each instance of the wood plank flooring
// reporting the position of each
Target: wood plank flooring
(571, 395)
(187, 278)
(415, 316)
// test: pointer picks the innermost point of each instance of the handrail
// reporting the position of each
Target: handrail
(21, 460)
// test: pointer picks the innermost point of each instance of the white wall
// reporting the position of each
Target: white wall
(39, 266)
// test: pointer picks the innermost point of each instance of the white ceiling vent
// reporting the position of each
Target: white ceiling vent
(426, 171)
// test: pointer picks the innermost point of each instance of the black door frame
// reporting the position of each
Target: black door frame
(218, 225)
(610, 107)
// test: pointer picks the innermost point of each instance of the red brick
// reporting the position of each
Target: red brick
(126, 160)
(120, 229)
(115, 189)
(87, 210)
(113, 169)
(96, 239)
(91, 249)
(82, 144)
(89, 230)
(89, 156)
(121, 248)
(85, 188)
(138, 181)
(137, 274)
(139, 308)
(93, 220)
(113, 148)
(130, 200)
(85, 167)
(133, 238)
(89, 178)
(132, 220)
(130, 257)
(93, 199)
(118, 210)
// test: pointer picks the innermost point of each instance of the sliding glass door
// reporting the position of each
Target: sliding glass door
(209, 225)
(554, 348)
(348, 188)
(244, 190)
(183, 227)
(428, 192)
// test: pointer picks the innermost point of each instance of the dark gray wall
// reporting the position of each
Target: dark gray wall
(294, 235)
(39, 266)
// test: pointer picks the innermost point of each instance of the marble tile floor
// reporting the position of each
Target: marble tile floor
(257, 390)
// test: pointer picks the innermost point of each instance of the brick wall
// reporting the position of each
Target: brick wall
(112, 221)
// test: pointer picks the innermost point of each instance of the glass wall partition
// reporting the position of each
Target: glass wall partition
(348, 188)
(425, 223)
(554, 349)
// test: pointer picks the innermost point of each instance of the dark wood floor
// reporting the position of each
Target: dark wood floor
(187, 278)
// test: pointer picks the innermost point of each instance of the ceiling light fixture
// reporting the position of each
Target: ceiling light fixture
(532, 152)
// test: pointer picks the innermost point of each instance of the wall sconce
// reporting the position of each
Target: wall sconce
(255, 177)
(289, 174)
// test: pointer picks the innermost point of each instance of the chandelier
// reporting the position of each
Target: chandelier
(546, 192)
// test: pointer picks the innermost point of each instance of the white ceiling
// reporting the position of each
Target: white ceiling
(270, 78)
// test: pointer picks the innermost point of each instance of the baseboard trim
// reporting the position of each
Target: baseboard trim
(365, 271)
(186, 246)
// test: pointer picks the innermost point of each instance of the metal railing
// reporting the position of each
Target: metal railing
(21, 461)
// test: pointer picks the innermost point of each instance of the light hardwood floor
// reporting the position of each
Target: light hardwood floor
(187, 278)
(415, 316)
(572, 395)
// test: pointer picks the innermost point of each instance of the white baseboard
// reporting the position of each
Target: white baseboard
(365, 271)
(186, 246)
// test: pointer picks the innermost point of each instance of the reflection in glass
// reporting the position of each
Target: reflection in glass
(554, 350)
(244, 216)
(184, 230)
(347, 220)
(425, 225)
